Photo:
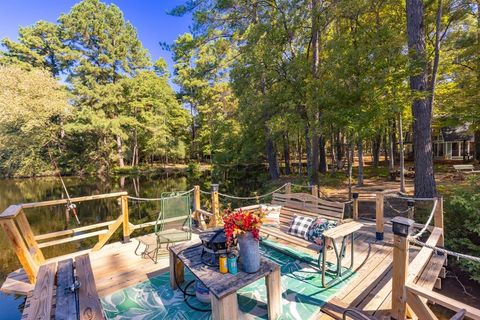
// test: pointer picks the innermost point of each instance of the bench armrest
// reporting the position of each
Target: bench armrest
(343, 230)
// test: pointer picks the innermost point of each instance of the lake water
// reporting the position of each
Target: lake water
(49, 219)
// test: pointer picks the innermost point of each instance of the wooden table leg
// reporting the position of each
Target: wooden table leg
(176, 271)
(225, 308)
(274, 294)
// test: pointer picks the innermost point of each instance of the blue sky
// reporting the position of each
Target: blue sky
(147, 16)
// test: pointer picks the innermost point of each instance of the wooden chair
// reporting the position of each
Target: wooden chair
(173, 225)
(75, 295)
(310, 206)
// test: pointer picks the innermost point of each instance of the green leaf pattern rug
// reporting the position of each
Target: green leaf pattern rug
(303, 295)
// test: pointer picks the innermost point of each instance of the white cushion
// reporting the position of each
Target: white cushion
(272, 217)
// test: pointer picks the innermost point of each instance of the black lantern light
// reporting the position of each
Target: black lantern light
(401, 226)
(215, 187)
(355, 195)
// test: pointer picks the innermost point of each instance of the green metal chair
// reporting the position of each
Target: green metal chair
(174, 224)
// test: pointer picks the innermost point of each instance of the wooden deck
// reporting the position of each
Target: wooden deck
(116, 266)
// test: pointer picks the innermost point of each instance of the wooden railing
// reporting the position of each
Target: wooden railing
(28, 247)
(408, 298)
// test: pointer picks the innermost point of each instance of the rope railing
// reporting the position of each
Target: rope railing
(429, 220)
(409, 198)
(182, 193)
(254, 197)
(401, 212)
(445, 251)
(301, 186)
(414, 237)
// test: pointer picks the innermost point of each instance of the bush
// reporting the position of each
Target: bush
(194, 169)
(462, 225)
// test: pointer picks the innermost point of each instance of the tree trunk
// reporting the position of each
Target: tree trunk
(313, 176)
(391, 155)
(194, 133)
(300, 154)
(477, 132)
(332, 153)
(271, 155)
(286, 153)
(385, 147)
(376, 150)
(135, 150)
(339, 151)
(422, 110)
(323, 156)
(350, 159)
(360, 163)
(393, 134)
(477, 145)
(308, 150)
(121, 163)
(436, 59)
(402, 153)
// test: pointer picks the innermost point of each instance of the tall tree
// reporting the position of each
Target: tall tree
(425, 185)
(108, 49)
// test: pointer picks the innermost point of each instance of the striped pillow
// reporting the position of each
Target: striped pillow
(299, 226)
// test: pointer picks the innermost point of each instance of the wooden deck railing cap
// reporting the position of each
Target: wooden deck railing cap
(11, 212)
(76, 199)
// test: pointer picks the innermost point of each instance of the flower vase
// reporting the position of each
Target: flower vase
(249, 252)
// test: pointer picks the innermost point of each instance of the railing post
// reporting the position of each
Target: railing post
(315, 190)
(196, 206)
(288, 188)
(216, 220)
(355, 206)
(401, 229)
(30, 241)
(126, 222)
(379, 216)
(26, 260)
(438, 220)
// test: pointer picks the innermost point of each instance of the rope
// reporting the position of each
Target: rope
(409, 198)
(418, 234)
(205, 192)
(445, 251)
(252, 198)
(161, 198)
(301, 186)
(396, 210)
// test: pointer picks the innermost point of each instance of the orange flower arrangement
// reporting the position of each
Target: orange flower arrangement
(239, 222)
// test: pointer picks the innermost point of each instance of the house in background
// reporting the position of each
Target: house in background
(449, 143)
(454, 144)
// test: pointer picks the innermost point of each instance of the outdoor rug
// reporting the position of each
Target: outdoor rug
(303, 294)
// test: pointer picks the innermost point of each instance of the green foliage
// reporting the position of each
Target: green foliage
(39, 46)
(33, 106)
(125, 110)
(194, 169)
(462, 224)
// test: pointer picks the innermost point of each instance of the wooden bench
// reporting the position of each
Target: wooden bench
(465, 168)
(310, 206)
(64, 291)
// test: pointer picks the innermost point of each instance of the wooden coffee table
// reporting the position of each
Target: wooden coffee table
(223, 287)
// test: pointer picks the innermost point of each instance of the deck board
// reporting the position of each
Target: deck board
(116, 266)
